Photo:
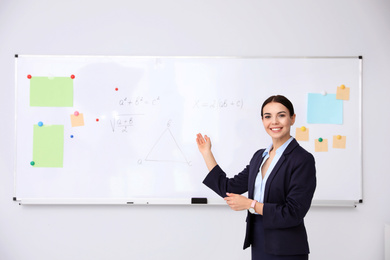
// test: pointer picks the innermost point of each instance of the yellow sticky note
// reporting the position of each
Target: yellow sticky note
(339, 141)
(342, 93)
(302, 134)
(77, 120)
(321, 146)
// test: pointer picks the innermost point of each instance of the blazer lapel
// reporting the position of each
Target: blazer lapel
(275, 170)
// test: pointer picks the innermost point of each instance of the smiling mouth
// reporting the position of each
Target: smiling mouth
(276, 129)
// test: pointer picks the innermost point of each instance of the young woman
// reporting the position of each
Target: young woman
(280, 182)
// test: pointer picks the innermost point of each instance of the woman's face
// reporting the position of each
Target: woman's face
(277, 121)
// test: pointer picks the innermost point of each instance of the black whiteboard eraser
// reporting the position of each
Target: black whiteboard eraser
(198, 200)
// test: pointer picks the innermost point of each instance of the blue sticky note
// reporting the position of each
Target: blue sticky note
(324, 109)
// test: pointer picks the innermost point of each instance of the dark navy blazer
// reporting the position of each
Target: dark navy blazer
(288, 194)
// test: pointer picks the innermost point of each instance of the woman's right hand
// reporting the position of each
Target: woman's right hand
(204, 146)
(204, 143)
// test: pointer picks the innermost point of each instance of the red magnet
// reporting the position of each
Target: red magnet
(97, 119)
(72, 76)
(76, 113)
(29, 76)
(116, 89)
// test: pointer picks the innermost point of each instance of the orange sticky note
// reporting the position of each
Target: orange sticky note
(342, 93)
(302, 134)
(77, 120)
(339, 141)
(321, 146)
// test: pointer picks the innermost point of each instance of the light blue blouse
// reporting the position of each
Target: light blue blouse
(260, 182)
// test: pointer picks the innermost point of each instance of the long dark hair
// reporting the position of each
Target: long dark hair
(279, 99)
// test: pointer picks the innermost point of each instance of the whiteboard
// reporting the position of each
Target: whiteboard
(135, 142)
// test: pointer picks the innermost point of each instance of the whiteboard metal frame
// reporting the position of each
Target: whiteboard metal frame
(166, 202)
(15, 123)
(189, 57)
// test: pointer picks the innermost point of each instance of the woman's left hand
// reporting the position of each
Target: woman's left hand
(237, 202)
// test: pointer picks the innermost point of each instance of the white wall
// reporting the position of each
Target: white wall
(198, 27)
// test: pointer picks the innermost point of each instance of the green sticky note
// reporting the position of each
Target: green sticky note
(48, 146)
(51, 92)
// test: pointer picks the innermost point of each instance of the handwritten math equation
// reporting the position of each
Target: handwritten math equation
(123, 122)
(219, 104)
(139, 101)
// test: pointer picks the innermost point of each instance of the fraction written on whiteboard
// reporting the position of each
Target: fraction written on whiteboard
(122, 122)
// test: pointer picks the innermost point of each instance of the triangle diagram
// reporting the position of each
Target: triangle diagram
(166, 149)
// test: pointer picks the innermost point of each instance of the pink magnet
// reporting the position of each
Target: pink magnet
(76, 113)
